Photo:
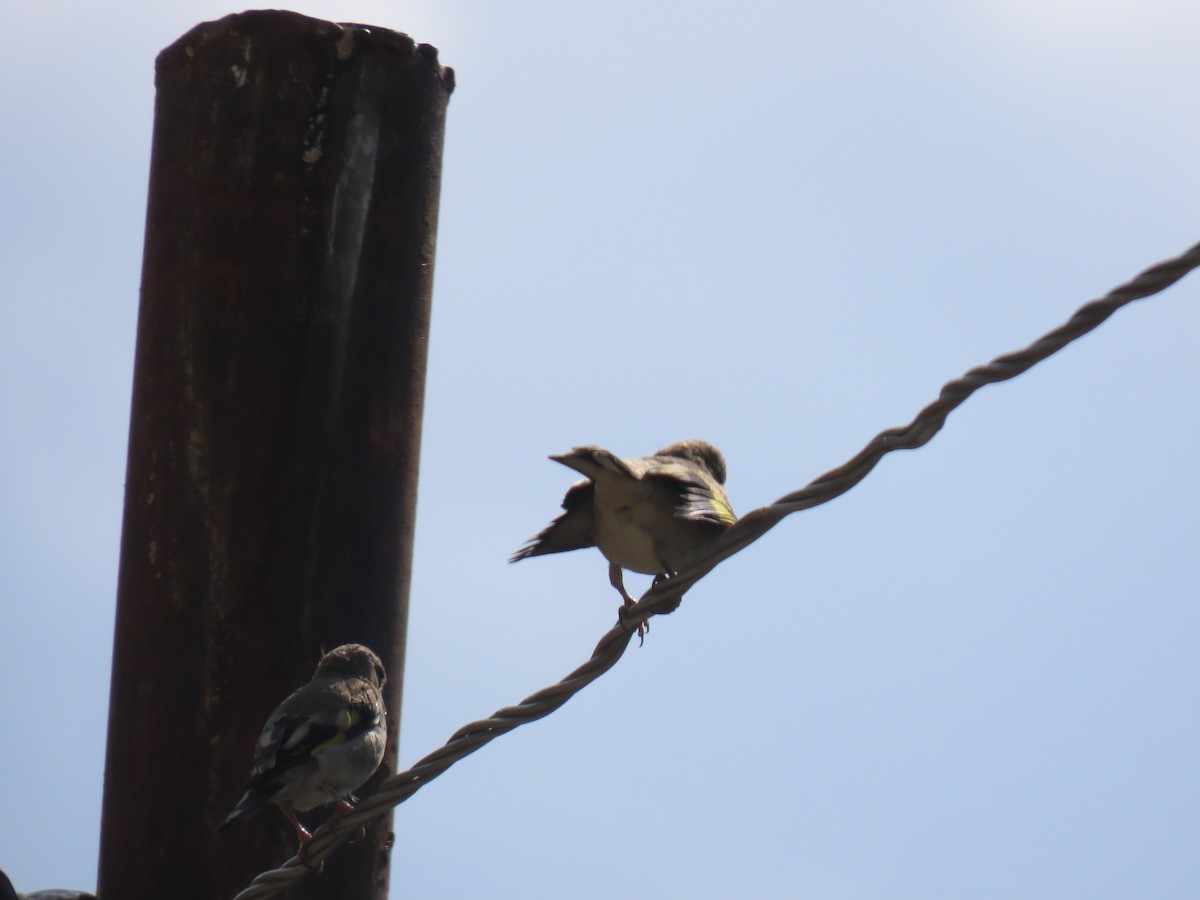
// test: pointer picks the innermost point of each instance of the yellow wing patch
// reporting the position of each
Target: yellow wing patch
(724, 513)
(346, 719)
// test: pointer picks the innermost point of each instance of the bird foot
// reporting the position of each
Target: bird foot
(305, 838)
(643, 627)
(341, 806)
(666, 575)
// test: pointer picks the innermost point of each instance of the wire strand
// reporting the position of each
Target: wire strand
(665, 596)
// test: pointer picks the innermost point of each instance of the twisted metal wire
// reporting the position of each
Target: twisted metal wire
(666, 595)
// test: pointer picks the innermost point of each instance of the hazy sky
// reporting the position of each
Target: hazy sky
(777, 226)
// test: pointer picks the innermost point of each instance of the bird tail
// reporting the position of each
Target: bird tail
(252, 801)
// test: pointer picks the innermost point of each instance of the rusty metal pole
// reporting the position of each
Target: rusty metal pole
(275, 427)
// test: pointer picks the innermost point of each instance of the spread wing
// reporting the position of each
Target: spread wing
(700, 497)
(570, 531)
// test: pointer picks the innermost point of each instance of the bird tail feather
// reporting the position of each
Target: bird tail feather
(251, 802)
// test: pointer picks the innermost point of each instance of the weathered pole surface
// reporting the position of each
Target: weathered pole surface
(275, 428)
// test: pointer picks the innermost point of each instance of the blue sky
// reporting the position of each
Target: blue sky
(780, 227)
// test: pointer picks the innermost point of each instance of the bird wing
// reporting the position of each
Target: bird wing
(699, 497)
(570, 531)
(589, 460)
(316, 717)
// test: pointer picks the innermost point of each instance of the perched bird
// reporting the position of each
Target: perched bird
(652, 514)
(322, 742)
(8, 892)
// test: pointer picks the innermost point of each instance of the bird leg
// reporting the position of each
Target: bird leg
(341, 806)
(617, 579)
(303, 836)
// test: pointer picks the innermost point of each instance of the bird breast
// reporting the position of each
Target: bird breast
(628, 519)
(341, 768)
